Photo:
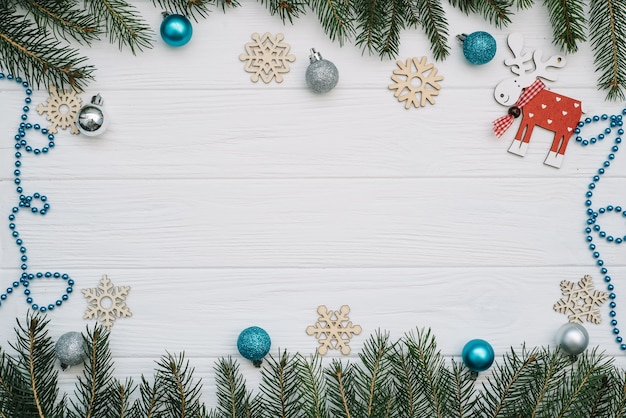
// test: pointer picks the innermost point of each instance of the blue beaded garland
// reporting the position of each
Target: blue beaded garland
(176, 30)
(28, 201)
(478, 355)
(594, 215)
(254, 343)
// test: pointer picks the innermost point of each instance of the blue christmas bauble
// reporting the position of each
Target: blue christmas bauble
(176, 30)
(479, 47)
(254, 344)
(478, 355)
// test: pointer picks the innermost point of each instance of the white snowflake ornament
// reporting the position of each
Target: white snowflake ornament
(61, 108)
(106, 302)
(333, 330)
(581, 301)
(267, 57)
(415, 82)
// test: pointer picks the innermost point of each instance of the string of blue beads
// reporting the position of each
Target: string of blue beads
(29, 202)
(615, 123)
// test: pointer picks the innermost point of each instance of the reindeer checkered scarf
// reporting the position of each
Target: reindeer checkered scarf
(500, 125)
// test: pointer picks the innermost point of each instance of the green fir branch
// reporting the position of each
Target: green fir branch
(279, 380)
(36, 359)
(432, 18)
(434, 378)
(67, 22)
(341, 391)
(311, 391)
(606, 26)
(496, 12)
(233, 398)
(407, 395)
(336, 18)
(122, 23)
(146, 405)
(524, 4)
(579, 393)
(286, 9)
(466, 6)
(504, 392)
(96, 386)
(119, 403)
(550, 371)
(568, 23)
(370, 18)
(178, 391)
(373, 375)
(191, 8)
(27, 51)
(462, 404)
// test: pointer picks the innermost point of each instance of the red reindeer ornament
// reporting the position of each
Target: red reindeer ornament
(537, 105)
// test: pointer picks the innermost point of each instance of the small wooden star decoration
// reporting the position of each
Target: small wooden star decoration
(581, 301)
(333, 330)
(107, 302)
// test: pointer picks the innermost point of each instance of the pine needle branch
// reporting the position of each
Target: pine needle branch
(147, 403)
(122, 23)
(279, 380)
(38, 390)
(37, 56)
(178, 391)
(96, 386)
(606, 26)
(568, 23)
(341, 391)
(407, 395)
(286, 9)
(192, 8)
(431, 16)
(497, 12)
(463, 401)
(66, 22)
(233, 399)
(336, 18)
(312, 386)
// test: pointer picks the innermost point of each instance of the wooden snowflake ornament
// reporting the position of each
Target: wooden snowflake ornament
(581, 301)
(416, 82)
(106, 302)
(333, 330)
(267, 57)
(61, 108)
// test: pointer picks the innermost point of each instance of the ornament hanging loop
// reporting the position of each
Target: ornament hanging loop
(315, 56)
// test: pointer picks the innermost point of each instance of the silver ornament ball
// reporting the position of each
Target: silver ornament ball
(70, 349)
(573, 338)
(321, 75)
(91, 120)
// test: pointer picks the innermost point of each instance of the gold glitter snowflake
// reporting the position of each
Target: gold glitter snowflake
(581, 301)
(333, 330)
(61, 110)
(416, 82)
(267, 57)
(106, 302)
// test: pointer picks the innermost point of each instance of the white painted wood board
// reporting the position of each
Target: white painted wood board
(225, 204)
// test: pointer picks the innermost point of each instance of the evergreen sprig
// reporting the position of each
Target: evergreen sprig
(608, 32)
(404, 378)
(568, 23)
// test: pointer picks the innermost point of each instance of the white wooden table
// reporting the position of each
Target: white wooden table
(226, 204)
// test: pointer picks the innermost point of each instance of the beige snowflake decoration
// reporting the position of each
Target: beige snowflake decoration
(106, 302)
(267, 57)
(415, 82)
(61, 108)
(333, 330)
(581, 301)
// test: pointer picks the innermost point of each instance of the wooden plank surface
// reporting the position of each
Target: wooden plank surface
(225, 204)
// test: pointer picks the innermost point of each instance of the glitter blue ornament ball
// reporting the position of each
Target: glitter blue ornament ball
(478, 355)
(478, 47)
(176, 30)
(254, 344)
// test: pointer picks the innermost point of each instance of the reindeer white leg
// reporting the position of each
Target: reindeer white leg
(518, 147)
(554, 159)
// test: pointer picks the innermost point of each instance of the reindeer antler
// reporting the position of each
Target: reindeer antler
(541, 67)
(520, 63)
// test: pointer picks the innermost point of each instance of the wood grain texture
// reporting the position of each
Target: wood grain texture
(225, 204)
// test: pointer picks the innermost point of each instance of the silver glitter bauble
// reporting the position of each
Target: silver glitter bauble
(70, 349)
(573, 338)
(321, 75)
(91, 120)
